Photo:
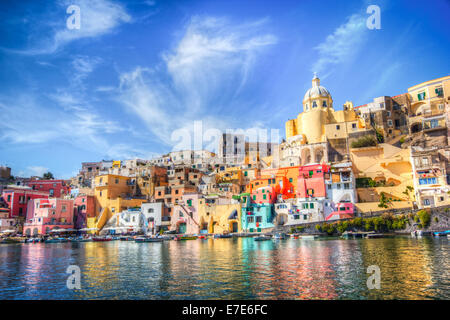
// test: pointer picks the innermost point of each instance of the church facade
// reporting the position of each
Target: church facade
(320, 134)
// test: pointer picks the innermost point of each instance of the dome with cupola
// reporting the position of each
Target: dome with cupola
(317, 96)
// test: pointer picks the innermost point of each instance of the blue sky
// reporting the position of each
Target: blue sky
(138, 72)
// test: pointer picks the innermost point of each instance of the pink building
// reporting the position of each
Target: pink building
(17, 197)
(184, 218)
(55, 188)
(45, 215)
(266, 195)
(311, 181)
(344, 210)
(84, 207)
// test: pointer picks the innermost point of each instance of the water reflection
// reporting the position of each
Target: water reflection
(228, 269)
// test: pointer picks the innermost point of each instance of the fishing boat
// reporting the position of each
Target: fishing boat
(442, 233)
(56, 240)
(279, 236)
(222, 236)
(308, 237)
(144, 239)
(101, 239)
(185, 238)
(262, 238)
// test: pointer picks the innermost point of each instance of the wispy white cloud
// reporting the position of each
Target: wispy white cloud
(198, 78)
(36, 170)
(341, 45)
(98, 18)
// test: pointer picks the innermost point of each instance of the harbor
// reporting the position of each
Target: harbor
(229, 268)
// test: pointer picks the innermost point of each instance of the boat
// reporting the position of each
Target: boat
(221, 236)
(101, 239)
(442, 233)
(420, 233)
(126, 238)
(185, 238)
(12, 240)
(308, 237)
(262, 238)
(201, 237)
(86, 240)
(279, 236)
(294, 236)
(56, 240)
(144, 239)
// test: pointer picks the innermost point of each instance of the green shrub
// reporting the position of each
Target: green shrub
(292, 230)
(300, 229)
(365, 141)
(402, 140)
(436, 219)
(318, 228)
(424, 217)
(416, 218)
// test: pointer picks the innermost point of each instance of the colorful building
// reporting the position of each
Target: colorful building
(17, 198)
(257, 217)
(84, 208)
(55, 188)
(45, 215)
(219, 215)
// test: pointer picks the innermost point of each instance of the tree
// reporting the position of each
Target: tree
(48, 176)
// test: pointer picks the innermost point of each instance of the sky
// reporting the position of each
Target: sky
(136, 75)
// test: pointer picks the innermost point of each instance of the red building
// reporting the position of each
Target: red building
(55, 188)
(267, 195)
(17, 198)
(84, 207)
(311, 181)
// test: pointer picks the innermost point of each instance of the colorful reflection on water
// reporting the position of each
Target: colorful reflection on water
(228, 269)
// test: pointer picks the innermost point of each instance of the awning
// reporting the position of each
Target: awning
(233, 215)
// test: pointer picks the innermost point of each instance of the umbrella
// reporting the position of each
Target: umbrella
(8, 231)
(88, 229)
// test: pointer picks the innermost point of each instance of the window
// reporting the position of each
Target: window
(421, 96)
(311, 205)
(258, 219)
(150, 210)
(439, 91)
(290, 180)
(441, 107)
(389, 122)
(63, 208)
(346, 186)
(324, 104)
(329, 187)
(117, 181)
(176, 191)
(353, 125)
(9, 198)
(388, 113)
(159, 193)
(427, 180)
(305, 217)
(426, 202)
(338, 127)
(113, 209)
(245, 173)
(296, 217)
(189, 202)
(314, 105)
(338, 186)
(265, 197)
(250, 219)
(254, 198)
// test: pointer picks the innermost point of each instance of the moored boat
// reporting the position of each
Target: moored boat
(144, 239)
(185, 238)
(308, 237)
(101, 239)
(279, 236)
(56, 240)
(262, 238)
(222, 236)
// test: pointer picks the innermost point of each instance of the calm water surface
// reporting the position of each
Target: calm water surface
(228, 269)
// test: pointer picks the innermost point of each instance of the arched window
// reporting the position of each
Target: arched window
(324, 104)
(314, 104)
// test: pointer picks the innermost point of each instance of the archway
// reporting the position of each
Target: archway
(319, 153)
(305, 156)
(28, 232)
(416, 127)
(35, 231)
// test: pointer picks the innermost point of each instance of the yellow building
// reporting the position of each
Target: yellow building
(318, 113)
(113, 193)
(219, 217)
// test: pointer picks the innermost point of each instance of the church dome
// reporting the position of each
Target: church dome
(316, 91)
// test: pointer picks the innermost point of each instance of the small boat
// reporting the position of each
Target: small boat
(222, 236)
(308, 237)
(201, 237)
(12, 240)
(86, 240)
(262, 238)
(56, 240)
(279, 236)
(143, 239)
(294, 236)
(185, 238)
(441, 234)
(101, 239)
